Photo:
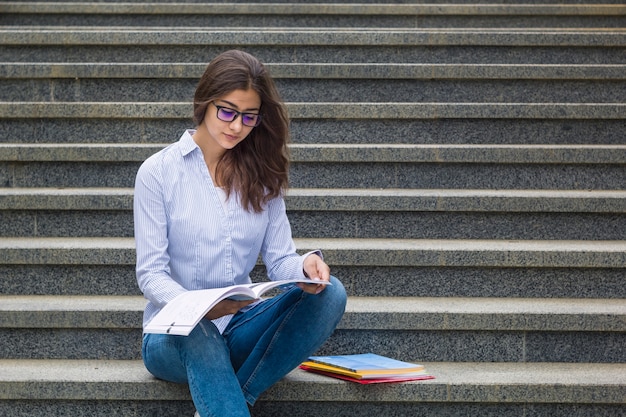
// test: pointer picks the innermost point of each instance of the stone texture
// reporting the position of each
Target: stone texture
(454, 382)
(310, 37)
(472, 281)
(406, 166)
(178, 110)
(324, 50)
(363, 252)
(361, 280)
(316, 71)
(439, 329)
(309, 131)
(318, 15)
(325, 90)
(68, 280)
(539, 282)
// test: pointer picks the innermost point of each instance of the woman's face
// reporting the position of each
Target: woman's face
(223, 135)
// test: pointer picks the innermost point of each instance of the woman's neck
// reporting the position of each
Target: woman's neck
(211, 155)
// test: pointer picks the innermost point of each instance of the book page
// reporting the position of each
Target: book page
(181, 315)
(188, 308)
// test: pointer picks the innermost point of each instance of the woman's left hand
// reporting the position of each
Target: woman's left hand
(316, 269)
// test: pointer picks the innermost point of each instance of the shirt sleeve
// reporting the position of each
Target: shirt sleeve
(151, 241)
(279, 250)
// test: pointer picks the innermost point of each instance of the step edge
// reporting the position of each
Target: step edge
(373, 313)
(454, 382)
(555, 72)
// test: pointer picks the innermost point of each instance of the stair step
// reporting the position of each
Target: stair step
(312, 199)
(361, 280)
(345, 110)
(346, 213)
(427, 129)
(313, 15)
(369, 123)
(374, 313)
(310, 36)
(356, 90)
(425, 268)
(324, 70)
(163, 82)
(373, 252)
(531, 330)
(501, 267)
(345, 166)
(181, 44)
(383, 152)
(597, 389)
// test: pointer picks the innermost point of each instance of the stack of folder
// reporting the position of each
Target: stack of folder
(366, 368)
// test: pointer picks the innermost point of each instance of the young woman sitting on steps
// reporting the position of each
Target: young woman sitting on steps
(205, 208)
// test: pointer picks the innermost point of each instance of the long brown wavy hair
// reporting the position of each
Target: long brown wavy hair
(257, 168)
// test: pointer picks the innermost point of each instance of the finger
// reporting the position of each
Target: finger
(323, 270)
(243, 303)
(312, 288)
(234, 306)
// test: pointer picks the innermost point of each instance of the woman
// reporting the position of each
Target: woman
(205, 207)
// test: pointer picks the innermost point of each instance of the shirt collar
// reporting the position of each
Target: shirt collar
(187, 144)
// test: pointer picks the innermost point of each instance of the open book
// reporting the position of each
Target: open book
(183, 313)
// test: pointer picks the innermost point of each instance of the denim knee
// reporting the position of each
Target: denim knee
(334, 297)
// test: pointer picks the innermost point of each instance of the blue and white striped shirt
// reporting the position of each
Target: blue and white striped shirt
(188, 238)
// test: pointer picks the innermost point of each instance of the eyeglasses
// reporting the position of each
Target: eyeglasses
(226, 114)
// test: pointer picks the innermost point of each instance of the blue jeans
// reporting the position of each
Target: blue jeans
(228, 371)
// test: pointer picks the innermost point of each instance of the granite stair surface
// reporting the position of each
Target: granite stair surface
(461, 164)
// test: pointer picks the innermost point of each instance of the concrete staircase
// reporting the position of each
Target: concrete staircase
(462, 166)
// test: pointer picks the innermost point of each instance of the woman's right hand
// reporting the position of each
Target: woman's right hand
(226, 307)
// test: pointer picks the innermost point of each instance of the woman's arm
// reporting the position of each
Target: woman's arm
(279, 251)
(151, 241)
